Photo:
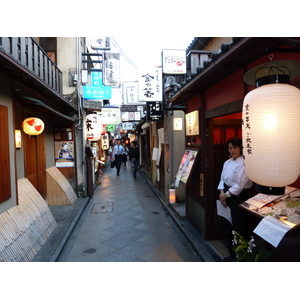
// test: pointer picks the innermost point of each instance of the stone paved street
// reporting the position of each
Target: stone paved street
(125, 222)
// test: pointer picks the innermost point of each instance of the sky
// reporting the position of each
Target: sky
(145, 51)
(142, 53)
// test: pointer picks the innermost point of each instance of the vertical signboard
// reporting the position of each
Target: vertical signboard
(111, 69)
(154, 111)
(150, 85)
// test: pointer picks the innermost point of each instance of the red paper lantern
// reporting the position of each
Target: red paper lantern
(33, 126)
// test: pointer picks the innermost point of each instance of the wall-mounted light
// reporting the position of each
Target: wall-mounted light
(270, 129)
(18, 138)
(33, 126)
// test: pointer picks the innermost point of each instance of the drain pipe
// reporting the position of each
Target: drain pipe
(42, 104)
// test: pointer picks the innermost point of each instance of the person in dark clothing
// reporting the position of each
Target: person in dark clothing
(134, 156)
(125, 153)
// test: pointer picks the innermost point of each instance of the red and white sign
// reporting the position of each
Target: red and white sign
(174, 61)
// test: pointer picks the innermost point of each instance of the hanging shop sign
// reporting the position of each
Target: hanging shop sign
(96, 91)
(111, 69)
(127, 126)
(100, 43)
(130, 93)
(130, 116)
(110, 115)
(150, 85)
(105, 141)
(174, 61)
(110, 128)
(128, 108)
(154, 111)
(192, 123)
(93, 127)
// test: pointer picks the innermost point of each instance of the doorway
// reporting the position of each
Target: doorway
(221, 130)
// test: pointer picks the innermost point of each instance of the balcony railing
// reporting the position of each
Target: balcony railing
(27, 52)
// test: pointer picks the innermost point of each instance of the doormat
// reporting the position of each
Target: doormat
(102, 207)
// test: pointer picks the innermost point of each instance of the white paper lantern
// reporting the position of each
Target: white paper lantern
(271, 138)
(93, 127)
(33, 126)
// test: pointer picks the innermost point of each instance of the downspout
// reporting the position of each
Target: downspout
(80, 116)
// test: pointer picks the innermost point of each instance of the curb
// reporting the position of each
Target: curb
(72, 225)
(67, 235)
(200, 246)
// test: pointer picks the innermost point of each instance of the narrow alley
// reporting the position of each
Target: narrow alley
(124, 222)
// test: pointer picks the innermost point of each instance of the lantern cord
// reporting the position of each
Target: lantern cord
(272, 71)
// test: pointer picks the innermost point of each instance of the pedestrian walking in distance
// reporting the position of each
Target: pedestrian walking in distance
(117, 155)
(134, 157)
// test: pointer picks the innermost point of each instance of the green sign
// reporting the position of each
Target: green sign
(110, 127)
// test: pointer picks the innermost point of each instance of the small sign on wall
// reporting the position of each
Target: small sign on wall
(192, 123)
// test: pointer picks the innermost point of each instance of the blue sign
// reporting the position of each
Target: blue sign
(96, 91)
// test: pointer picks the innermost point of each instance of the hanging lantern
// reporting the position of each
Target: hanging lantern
(271, 122)
(93, 127)
(33, 126)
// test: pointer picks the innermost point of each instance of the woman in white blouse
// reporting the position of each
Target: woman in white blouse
(234, 188)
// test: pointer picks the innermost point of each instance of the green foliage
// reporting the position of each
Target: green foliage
(248, 251)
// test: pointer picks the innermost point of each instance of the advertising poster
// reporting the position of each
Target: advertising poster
(185, 166)
(64, 157)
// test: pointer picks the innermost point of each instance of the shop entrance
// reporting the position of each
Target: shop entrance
(35, 161)
(221, 130)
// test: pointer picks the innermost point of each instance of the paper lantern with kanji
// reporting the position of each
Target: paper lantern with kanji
(33, 126)
(93, 127)
(271, 139)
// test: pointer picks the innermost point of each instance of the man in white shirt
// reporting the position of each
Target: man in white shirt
(117, 154)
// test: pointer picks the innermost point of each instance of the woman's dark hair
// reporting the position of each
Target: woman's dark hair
(236, 142)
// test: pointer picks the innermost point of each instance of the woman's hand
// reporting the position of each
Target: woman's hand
(223, 198)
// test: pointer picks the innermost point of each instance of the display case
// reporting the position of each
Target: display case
(285, 208)
(280, 215)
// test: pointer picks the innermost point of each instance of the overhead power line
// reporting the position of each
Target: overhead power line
(123, 54)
